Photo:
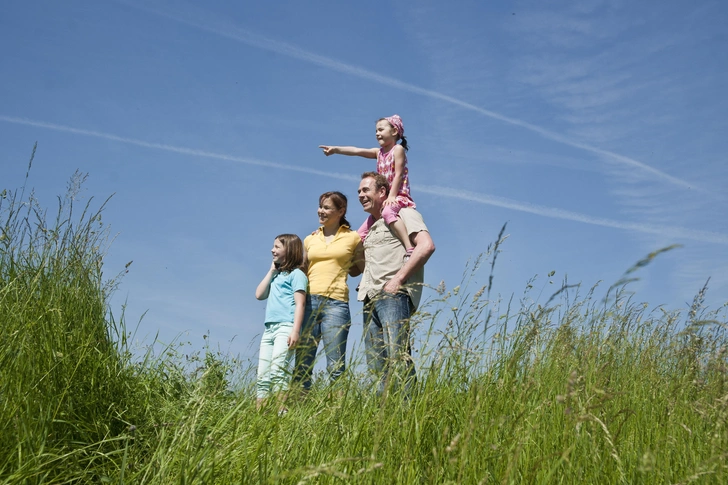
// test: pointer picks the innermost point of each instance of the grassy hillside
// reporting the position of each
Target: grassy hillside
(576, 390)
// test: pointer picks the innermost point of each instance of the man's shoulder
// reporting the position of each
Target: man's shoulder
(412, 220)
(410, 211)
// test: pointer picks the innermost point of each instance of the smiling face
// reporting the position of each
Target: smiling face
(278, 251)
(371, 198)
(328, 214)
(386, 134)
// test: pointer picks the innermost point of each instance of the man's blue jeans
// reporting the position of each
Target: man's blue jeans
(387, 340)
(328, 320)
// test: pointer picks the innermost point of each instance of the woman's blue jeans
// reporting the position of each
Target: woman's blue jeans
(328, 320)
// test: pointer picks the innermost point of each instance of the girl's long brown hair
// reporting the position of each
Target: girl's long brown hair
(294, 252)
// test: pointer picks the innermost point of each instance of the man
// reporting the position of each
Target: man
(391, 285)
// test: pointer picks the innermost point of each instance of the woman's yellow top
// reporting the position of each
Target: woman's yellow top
(329, 263)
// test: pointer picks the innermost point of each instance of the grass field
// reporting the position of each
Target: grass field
(574, 390)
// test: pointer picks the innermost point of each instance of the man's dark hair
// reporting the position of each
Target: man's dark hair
(379, 180)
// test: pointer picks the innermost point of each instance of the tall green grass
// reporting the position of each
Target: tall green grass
(576, 389)
(63, 380)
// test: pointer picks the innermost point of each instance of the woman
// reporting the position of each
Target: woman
(332, 252)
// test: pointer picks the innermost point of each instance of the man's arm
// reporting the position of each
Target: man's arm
(424, 247)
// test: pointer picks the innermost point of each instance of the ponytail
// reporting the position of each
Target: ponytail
(404, 143)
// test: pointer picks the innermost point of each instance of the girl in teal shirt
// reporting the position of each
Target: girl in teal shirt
(284, 286)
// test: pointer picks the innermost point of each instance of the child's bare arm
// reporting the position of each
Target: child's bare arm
(351, 151)
(398, 172)
(299, 299)
(261, 292)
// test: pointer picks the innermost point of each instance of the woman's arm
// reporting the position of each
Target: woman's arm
(304, 266)
(357, 261)
(263, 289)
(351, 151)
(299, 298)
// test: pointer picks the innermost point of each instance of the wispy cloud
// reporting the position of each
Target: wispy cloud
(219, 28)
(663, 230)
(670, 231)
(172, 148)
(626, 81)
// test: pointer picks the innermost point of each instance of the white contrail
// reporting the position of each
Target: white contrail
(670, 231)
(261, 42)
(171, 148)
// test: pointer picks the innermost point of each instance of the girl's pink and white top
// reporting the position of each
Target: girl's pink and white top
(385, 166)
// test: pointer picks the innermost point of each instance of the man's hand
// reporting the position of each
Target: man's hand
(391, 200)
(424, 247)
(328, 150)
(393, 286)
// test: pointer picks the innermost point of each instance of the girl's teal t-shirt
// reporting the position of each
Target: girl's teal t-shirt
(281, 305)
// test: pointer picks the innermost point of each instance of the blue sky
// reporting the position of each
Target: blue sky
(595, 129)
